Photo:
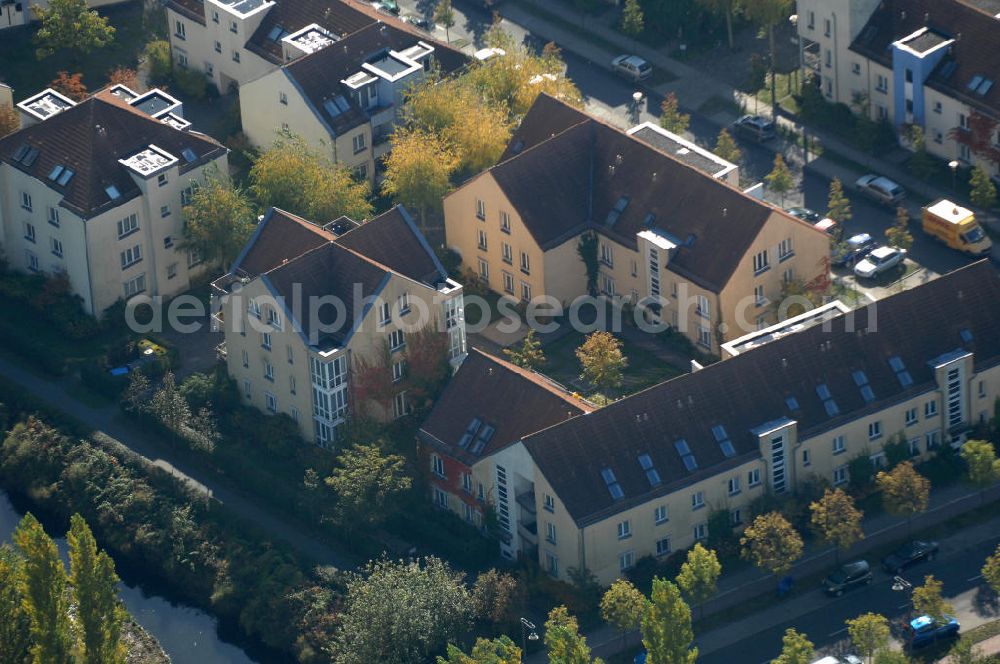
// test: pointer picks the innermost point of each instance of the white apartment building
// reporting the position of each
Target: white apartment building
(18, 12)
(95, 190)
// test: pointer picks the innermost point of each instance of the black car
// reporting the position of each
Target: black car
(804, 214)
(909, 554)
(849, 576)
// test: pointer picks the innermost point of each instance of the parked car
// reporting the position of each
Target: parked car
(755, 127)
(850, 575)
(880, 189)
(856, 247)
(925, 630)
(632, 67)
(804, 213)
(843, 659)
(879, 260)
(909, 554)
(419, 22)
(388, 6)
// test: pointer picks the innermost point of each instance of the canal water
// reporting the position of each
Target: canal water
(188, 634)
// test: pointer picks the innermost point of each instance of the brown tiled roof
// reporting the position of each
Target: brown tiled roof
(193, 9)
(319, 75)
(392, 239)
(515, 401)
(280, 237)
(573, 180)
(975, 52)
(752, 389)
(334, 16)
(547, 117)
(90, 138)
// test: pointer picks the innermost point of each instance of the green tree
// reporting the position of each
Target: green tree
(444, 16)
(486, 651)
(367, 483)
(15, 625)
(633, 20)
(886, 656)
(771, 543)
(984, 192)
(169, 406)
(982, 463)
(725, 9)
(780, 179)
(869, 633)
(602, 360)
(905, 492)
(768, 14)
(726, 148)
(418, 170)
(671, 117)
(527, 355)
(563, 641)
(921, 163)
(622, 606)
(699, 574)
(422, 604)
(292, 176)
(161, 66)
(95, 586)
(927, 599)
(218, 221)
(498, 597)
(135, 398)
(795, 649)
(898, 235)
(991, 570)
(836, 520)
(666, 626)
(68, 24)
(43, 587)
(838, 206)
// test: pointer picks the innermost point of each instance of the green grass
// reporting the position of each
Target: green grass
(983, 632)
(27, 75)
(786, 85)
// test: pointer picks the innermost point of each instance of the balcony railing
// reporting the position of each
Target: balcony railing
(221, 352)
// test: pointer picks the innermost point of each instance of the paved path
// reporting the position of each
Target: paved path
(109, 421)
(990, 646)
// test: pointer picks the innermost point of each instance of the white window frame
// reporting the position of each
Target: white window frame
(624, 529)
(660, 515)
(697, 500)
(839, 445)
(437, 465)
(270, 402)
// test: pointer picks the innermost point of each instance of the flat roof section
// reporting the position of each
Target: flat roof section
(146, 163)
(796, 324)
(45, 104)
(682, 149)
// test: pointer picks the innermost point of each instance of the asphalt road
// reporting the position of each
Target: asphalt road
(958, 569)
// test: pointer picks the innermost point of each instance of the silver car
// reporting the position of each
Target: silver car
(878, 261)
(880, 189)
(632, 67)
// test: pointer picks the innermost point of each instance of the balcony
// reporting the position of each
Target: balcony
(221, 352)
(528, 532)
(527, 502)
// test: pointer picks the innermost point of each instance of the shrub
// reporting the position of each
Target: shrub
(157, 54)
(191, 82)
(94, 374)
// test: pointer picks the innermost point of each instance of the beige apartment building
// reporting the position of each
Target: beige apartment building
(319, 321)
(692, 250)
(344, 101)
(641, 476)
(95, 190)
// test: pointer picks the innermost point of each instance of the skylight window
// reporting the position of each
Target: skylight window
(614, 488)
(189, 155)
(966, 335)
(277, 32)
(902, 375)
(470, 432)
(484, 438)
(985, 86)
(112, 192)
(861, 380)
(828, 403)
(792, 403)
(684, 451)
(55, 172)
(975, 82)
(651, 474)
(722, 438)
(66, 175)
(28, 156)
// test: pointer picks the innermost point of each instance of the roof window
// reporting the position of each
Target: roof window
(651, 474)
(684, 451)
(614, 488)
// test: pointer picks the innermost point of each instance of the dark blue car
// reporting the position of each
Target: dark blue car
(925, 630)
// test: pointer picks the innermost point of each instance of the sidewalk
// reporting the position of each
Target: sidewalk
(990, 646)
(750, 583)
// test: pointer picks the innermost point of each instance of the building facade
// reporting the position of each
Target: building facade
(14, 13)
(95, 190)
(320, 322)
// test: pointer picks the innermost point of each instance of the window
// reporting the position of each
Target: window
(484, 271)
(508, 282)
(399, 405)
(930, 408)
(182, 58)
(551, 564)
(26, 201)
(398, 371)
(218, 47)
(735, 517)
(128, 225)
(908, 75)
(626, 561)
(826, 27)
(404, 304)
(54, 216)
(812, 21)
(289, 353)
(660, 514)
(550, 533)
(874, 430)
(56, 246)
(697, 500)
(734, 486)
(964, 154)
(938, 136)
(29, 232)
(981, 389)
(480, 209)
(236, 56)
(164, 211)
(856, 68)
(911, 416)
(703, 307)
(32, 261)
(291, 385)
(131, 256)
(607, 254)
(467, 482)
(607, 285)
(247, 390)
(233, 27)
(440, 498)
(437, 465)
(504, 222)
(753, 477)
(758, 296)
(295, 414)
(915, 446)
(525, 263)
(358, 143)
(215, 16)
(268, 371)
(171, 270)
(507, 254)
(840, 475)
(881, 84)
(384, 314)
(701, 531)
(704, 336)
(271, 402)
(788, 276)
(179, 30)
(482, 240)
(760, 262)
(548, 502)
(396, 340)
(663, 546)
(135, 286)
(937, 107)
(283, 98)
(635, 268)
(265, 340)
(932, 439)
(785, 250)
(246, 360)
(838, 445)
(828, 59)
(624, 529)
(806, 458)
(963, 121)
(162, 180)
(525, 291)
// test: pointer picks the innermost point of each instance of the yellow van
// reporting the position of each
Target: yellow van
(956, 226)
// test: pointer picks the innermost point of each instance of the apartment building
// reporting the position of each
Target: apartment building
(930, 63)
(344, 100)
(693, 251)
(685, 151)
(18, 12)
(641, 476)
(489, 404)
(95, 190)
(320, 321)
(236, 42)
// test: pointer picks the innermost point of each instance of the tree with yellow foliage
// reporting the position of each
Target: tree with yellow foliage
(418, 170)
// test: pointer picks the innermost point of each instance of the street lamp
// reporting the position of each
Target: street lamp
(899, 584)
(953, 165)
(528, 633)
(636, 106)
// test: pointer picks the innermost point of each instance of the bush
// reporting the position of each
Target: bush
(157, 54)
(191, 82)
(29, 347)
(95, 375)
